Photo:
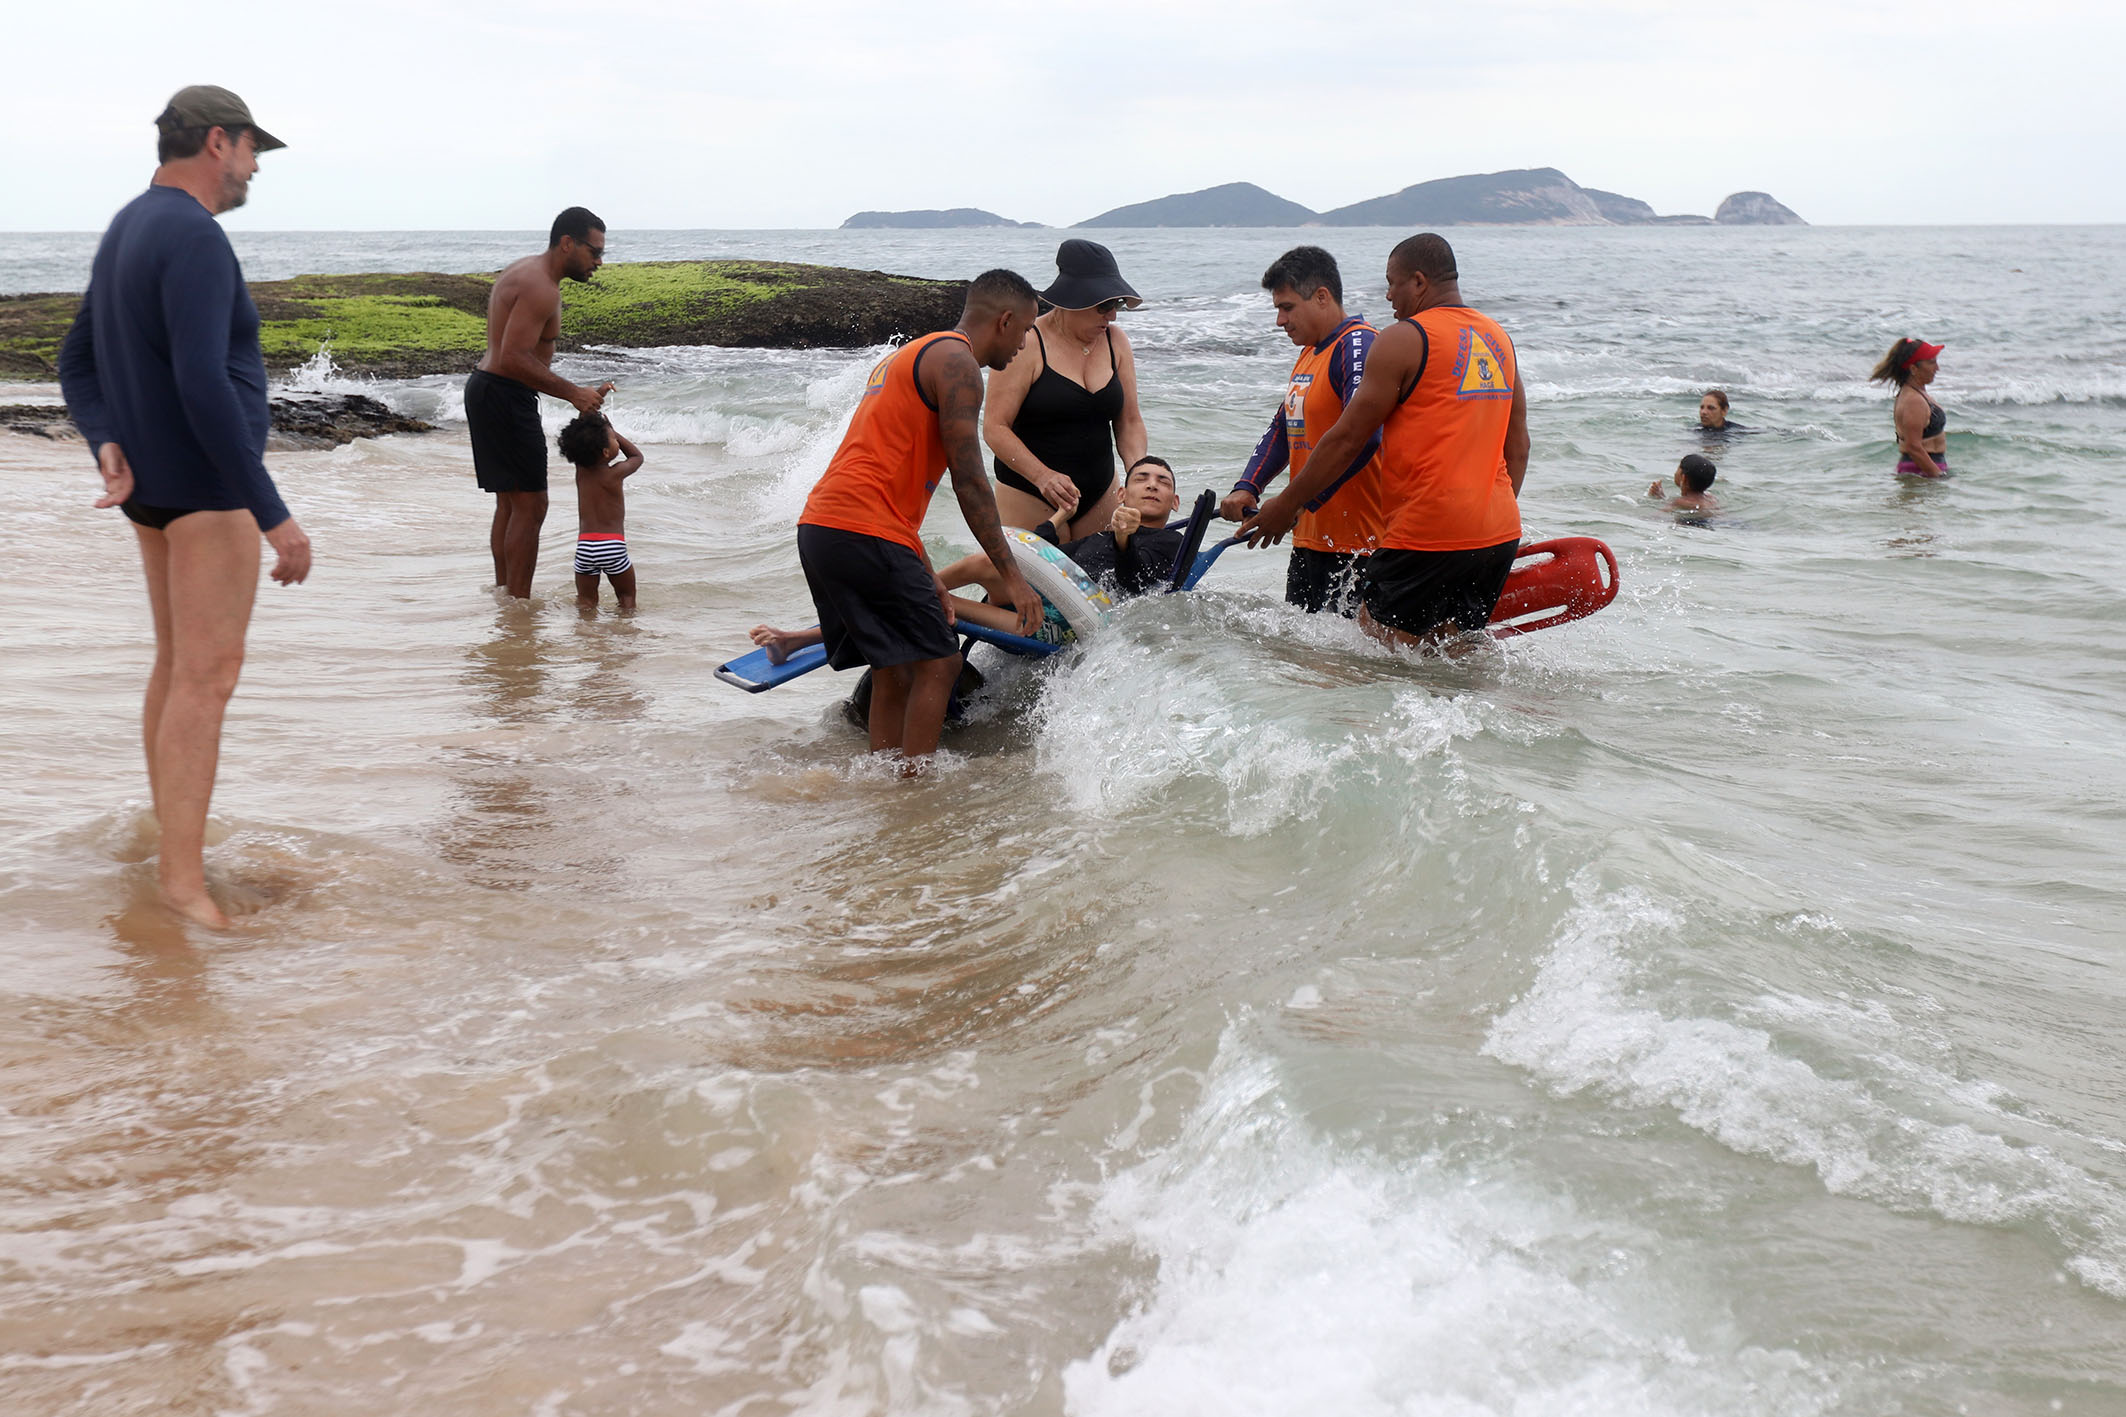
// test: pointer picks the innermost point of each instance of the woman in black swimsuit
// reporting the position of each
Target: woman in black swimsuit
(1068, 402)
(1922, 437)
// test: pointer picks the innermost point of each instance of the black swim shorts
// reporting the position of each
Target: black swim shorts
(1323, 580)
(508, 445)
(877, 602)
(1418, 592)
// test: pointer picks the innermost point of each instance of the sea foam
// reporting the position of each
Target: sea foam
(1294, 1276)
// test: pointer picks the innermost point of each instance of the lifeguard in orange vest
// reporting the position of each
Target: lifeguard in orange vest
(860, 538)
(1442, 390)
(1341, 523)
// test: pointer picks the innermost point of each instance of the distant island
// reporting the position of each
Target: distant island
(1234, 204)
(930, 220)
(1755, 209)
(1530, 196)
(1523, 196)
(1630, 211)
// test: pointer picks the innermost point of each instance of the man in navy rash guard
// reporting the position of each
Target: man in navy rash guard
(164, 377)
(1337, 531)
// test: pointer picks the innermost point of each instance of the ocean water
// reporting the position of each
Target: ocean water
(1709, 1007)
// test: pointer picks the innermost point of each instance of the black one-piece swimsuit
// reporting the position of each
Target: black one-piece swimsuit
(1069, 429)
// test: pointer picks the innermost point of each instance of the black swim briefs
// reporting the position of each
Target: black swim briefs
(153, 518)
(877, 601)
(1418, 592)
(508, 445)
(1324, 580)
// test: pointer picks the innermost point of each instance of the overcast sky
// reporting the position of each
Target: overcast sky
(474, 114)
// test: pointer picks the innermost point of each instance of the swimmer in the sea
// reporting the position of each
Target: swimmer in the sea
(1693, 483)
(603, 460)
(1134, 555)
(1920, 423)
(1712, 415)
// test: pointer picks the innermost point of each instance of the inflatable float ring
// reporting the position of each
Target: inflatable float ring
(1061, 582)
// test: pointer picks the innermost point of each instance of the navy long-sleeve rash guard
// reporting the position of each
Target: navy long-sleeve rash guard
(163, 359)
(1347, 366)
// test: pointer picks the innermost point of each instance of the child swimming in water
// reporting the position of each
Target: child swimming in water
(1694, 476)
(603, 460)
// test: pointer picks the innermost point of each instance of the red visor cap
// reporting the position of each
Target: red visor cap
(1925, 351)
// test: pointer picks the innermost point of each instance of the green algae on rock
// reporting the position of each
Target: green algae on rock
(403, 325)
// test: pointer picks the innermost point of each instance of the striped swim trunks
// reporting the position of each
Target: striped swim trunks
(601, 553)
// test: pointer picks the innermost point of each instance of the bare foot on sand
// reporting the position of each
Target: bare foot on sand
(781, 644)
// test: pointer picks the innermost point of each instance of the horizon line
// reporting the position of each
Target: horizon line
(1080, 226)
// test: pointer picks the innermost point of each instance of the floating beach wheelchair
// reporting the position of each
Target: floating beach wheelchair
(1552, 582)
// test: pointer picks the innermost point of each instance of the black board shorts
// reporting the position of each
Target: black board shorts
(1323, 580)
(1419, 592)
(877, 601)
(508, 445)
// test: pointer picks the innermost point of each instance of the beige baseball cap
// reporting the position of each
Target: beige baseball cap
(210, 106)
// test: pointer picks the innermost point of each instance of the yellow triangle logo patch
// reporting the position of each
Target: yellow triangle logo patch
(1480, 372)
(877, 382)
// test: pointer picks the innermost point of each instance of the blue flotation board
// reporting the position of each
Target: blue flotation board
(756, 673)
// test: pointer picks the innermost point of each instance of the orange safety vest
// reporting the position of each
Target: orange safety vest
(1351, 520)
(1444, 484)
(879, 481)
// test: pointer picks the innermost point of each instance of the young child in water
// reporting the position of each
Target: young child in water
(603, 461)
(1694, 476)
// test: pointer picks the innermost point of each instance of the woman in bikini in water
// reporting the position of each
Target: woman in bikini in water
(1056, 417)
(1922, 439)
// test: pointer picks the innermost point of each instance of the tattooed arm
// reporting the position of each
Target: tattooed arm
(954, 384)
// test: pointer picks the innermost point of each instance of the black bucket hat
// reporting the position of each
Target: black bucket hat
(1086, 274)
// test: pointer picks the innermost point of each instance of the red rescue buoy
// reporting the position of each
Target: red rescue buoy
(1552, 582)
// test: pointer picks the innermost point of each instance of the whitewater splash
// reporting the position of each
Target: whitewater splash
(1295, 1276)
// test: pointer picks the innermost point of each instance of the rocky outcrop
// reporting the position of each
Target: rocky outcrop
(1755, 209)
(1233, 204)
(1624, 211)
(753, 305)
(328, 420)
(929, 220)
(39, 420)
(403, 325)
(299, 421)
